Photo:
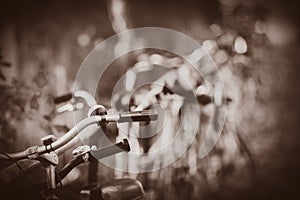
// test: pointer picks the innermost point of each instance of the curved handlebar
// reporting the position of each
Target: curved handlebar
(88, 98)
(35, 151)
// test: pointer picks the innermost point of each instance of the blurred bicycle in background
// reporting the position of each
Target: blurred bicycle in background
(164, 81)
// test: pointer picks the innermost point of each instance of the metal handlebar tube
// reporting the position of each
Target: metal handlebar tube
(35, 151)
(89, 99)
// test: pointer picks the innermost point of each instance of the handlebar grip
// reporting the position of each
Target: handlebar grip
(63, 98)
(136, 116)
(111, 150)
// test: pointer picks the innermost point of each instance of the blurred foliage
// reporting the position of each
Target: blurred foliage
(8, 99)
(19, 103)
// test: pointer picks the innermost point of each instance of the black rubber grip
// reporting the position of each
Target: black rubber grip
(111, 150)
(205, 99)
(137, 116)
(63, 98)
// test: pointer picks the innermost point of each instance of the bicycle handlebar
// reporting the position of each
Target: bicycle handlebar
(88, 98)
(35, 151)
(119, 147)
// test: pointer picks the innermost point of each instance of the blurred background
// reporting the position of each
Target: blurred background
(254, 43)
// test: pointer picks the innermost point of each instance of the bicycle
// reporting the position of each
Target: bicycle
(47, 154)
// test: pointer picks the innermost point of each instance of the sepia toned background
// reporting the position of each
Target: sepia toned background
(254, 43)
